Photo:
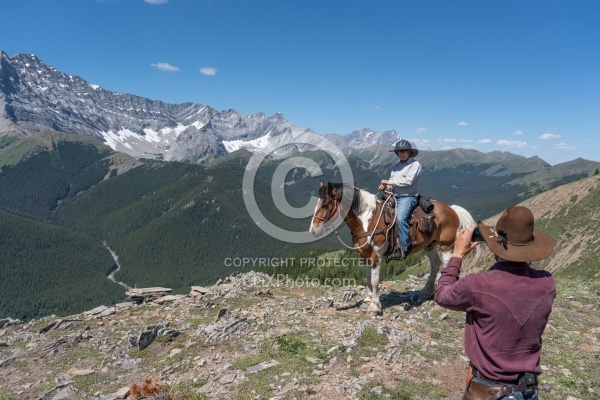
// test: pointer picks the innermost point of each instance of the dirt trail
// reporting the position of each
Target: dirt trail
(111, 276)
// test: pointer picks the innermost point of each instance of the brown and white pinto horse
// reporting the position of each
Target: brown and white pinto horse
(363, 213)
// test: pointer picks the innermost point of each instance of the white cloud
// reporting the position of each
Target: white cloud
(511, 143)
(422, 142)
(156, 2)
(449, 140)
(208, 71)
(378, 108)
(484, 141)
(518, 133)
(165, 67)
(462, 123)
(548, 136)
(562, 146)
(421, 130)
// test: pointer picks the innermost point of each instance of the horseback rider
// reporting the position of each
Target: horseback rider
(404, 180)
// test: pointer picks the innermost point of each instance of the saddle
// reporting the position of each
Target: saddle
(421, 218)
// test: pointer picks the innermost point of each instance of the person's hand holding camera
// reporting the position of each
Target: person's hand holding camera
(463, 243)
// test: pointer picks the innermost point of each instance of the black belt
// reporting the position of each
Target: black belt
(526, 383)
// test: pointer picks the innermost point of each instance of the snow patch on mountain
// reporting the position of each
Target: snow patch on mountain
(256, 144)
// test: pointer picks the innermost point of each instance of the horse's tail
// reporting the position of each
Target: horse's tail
(477, 255)
(464, 217)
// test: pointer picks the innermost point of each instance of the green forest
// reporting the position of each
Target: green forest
(48, 270)
(174, 224)
(35, 186)
(171, 224)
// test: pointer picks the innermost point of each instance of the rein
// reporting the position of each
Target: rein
(368, 235)
(336, 208)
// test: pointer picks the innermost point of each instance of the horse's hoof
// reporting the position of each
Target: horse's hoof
(423, 298)
(373, 310)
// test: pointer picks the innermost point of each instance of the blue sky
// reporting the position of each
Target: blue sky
(519, 76)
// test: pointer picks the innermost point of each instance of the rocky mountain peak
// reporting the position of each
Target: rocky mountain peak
(38, 97)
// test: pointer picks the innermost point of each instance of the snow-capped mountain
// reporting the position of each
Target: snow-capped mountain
(35, 97)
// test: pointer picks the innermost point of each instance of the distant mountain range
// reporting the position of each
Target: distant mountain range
(35, 97)
(161, 185)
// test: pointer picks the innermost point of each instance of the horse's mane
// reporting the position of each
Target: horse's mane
(363, 201)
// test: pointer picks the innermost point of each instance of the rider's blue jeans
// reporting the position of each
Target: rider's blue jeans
(404, 205)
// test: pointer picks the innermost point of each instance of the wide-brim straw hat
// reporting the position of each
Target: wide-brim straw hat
(514, 237)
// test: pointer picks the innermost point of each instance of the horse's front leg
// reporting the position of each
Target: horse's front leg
(373, 267)
(369, 293)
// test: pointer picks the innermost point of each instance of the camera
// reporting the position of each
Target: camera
(477, 236)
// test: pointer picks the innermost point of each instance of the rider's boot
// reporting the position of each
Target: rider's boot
(400, 254)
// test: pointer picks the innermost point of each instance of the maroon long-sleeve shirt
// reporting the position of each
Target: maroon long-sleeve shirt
(507, 310)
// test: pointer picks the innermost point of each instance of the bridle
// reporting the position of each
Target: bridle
(336, 209)
(330, 214)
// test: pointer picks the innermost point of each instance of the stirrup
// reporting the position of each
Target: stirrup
(398, 254)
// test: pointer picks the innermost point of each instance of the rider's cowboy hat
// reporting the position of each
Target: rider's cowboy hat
(514, 239)
(405, 145)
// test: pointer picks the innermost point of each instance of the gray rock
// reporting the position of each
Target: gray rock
(262, 366)
(227, 379)
(122, 393)
(107, 312)
(67, 392)
(4, 322)
(96, 311)
(146, 338)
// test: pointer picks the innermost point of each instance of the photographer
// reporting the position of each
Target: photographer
(507, 307)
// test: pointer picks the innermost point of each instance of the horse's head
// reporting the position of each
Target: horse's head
(327, 209)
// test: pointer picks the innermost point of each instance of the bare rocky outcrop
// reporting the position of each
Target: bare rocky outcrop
(249, 336)
(215, 339)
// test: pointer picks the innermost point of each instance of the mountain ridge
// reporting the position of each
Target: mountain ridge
(35, 97)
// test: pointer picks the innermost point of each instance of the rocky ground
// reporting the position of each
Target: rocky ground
(249, 337)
